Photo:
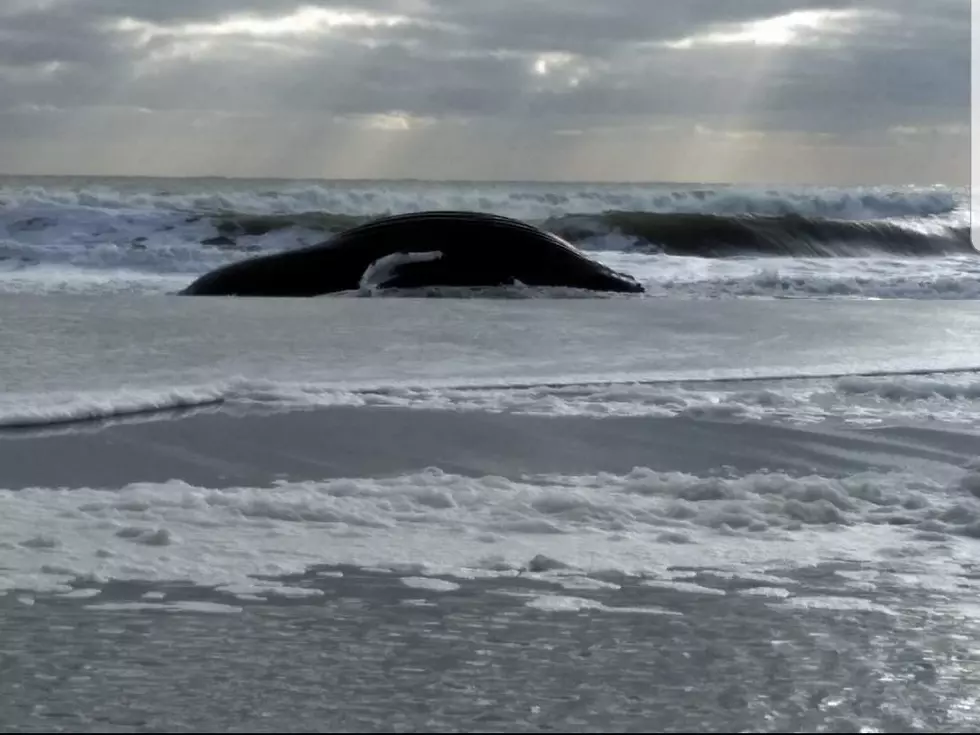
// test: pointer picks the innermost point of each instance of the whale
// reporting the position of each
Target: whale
(418, 250)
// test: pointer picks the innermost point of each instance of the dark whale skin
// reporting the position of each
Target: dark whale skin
(477, 250)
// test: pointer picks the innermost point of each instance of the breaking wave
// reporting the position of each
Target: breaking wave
(193, 242)
(152, 235)
(529, 201)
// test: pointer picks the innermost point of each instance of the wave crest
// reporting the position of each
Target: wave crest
(708, 235)
(703, 235)
(520, 200)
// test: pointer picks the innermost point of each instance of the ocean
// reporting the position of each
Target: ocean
(747, 499)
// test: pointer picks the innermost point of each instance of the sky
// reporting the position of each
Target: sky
(745, 91)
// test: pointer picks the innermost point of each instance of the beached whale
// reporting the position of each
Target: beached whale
(438, 248)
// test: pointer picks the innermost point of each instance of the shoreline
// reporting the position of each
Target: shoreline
(217, 448)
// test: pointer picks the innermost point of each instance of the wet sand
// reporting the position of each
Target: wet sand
(219, 448)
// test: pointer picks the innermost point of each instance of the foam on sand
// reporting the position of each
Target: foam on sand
(447, 524)
(952, 398)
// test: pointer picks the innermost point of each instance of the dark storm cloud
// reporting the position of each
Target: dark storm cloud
(472, 57)
(894, 63)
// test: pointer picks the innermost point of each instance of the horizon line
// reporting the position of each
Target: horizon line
(422, 180)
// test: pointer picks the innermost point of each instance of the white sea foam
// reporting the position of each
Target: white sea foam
(427, 583)
(65, 280)
(61, 407)
(838, 603)
(159, 272)
(213, 608)
(878, 277)
(688, 587)
(434, 522)
(564, 603)
(532, 201)
(952, 398)
(690, 278)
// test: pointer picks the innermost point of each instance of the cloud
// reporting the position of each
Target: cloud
(833, 72)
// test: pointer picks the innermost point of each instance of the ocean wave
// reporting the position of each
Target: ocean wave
(881, 277)
(703, 235)
(194, 244)
(51, 410)
(950, 397)
(520, 200)
(954, 278)
(155, 237)
(709, 235)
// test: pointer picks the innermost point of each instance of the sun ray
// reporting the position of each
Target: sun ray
(761, 50)
(789, 29)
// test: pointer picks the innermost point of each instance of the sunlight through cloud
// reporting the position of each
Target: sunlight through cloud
(394, 121)
(782, 30)
(619, 90)
(555, 69)
(305, 21)
(549, 62)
